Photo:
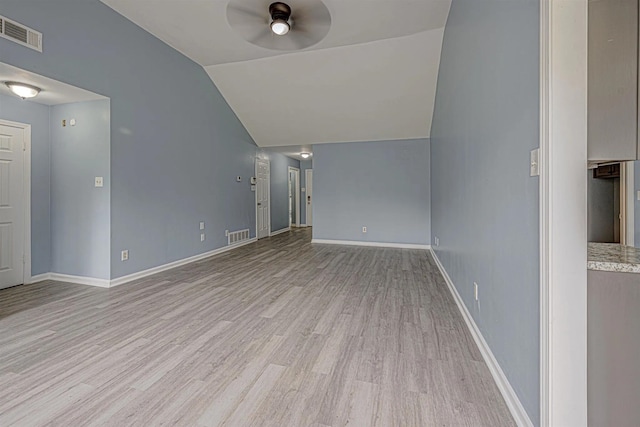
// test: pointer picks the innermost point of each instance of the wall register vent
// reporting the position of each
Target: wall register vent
(240, 236)
(11, 30)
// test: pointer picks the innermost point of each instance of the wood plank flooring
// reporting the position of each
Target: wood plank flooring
(276, 333)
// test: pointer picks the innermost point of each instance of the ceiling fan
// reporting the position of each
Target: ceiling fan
(294, 25)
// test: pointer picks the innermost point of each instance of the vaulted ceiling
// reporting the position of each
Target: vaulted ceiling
(373, 77)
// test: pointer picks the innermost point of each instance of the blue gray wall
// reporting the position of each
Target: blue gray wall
(484, 204)
(176, 146)
(279, 177)
(304, 165)
(37, 115)
(382, 185)
(80, 212)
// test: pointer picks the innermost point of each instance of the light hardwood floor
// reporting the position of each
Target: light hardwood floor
(276, 333)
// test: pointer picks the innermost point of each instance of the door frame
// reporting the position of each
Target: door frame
(255, 195)
(563, 212)
(308, 211)
(296, 194)
(627, 200)
(26, 192)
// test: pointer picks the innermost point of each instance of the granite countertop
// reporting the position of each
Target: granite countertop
(613, 257)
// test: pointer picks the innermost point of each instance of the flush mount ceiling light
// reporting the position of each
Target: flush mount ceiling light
(280, 14)
(23, 90)
(295, 25)
(305, 155)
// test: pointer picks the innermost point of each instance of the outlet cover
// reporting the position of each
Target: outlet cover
(364, 229)
(475, 290)
(124, 255)
(99, 181)
(202, 237)
(201, 225)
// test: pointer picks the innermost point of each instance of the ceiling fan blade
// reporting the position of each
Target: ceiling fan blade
(263, 35)
(247, 11)
(316, 13)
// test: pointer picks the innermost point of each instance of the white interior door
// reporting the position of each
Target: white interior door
(262, 198)
(309, 190)
(12, 206)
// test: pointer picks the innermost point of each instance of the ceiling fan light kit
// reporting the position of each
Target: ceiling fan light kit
(280, 13)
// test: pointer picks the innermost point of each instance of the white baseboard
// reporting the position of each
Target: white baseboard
(80, 280)
(103, 283)
(302, 225)
(39, 278)
(282, 230)
(511, 398)
(374, 244)
(159, 269)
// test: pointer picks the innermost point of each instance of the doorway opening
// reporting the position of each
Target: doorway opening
(294, 197)
(263, 209)
(309, 193)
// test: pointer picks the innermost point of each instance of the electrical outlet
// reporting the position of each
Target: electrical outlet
(99, 181)
(202, 237)
(201, 225)
(475, 290)
(364, 229)
(436, 241)
(124, 255)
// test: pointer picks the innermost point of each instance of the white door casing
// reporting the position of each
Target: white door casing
(262, 199)
(309, 189)
(13, 204)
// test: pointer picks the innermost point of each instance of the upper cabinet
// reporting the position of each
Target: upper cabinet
(613, 80)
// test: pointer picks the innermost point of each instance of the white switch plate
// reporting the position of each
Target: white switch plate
(535, 162)
(364, 229)
(475, 290)
(202, 237)
(72, 122)
(436, 241)
(99, 181)
(124, 255)
(238, 178)
(201, 225)
(638, 195)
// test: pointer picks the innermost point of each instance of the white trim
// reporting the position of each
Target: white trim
(297, 195)
(282, 230)
(80, 280)
(40, 277)
(373, 244)
(563, 212)
(103, 283)
(303, 225)
(26, 192)
(510, 397)
(159, 269)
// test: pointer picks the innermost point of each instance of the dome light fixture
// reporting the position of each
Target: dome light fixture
(305, 155)
(280, 14)
(23, 90)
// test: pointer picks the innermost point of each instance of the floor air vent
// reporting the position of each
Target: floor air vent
(240, 236)
(20, 34)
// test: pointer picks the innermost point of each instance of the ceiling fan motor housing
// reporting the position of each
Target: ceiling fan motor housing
(279, 10)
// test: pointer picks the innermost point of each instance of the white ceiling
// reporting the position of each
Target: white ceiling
(293, 151)
(367, 80)
(53, 92)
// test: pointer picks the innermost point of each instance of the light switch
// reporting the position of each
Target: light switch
(535, 162)
(638, 195)
(99, 181)
(202, 225)
(72, 122)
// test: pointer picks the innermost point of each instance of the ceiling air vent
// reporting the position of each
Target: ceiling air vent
(20, 34)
